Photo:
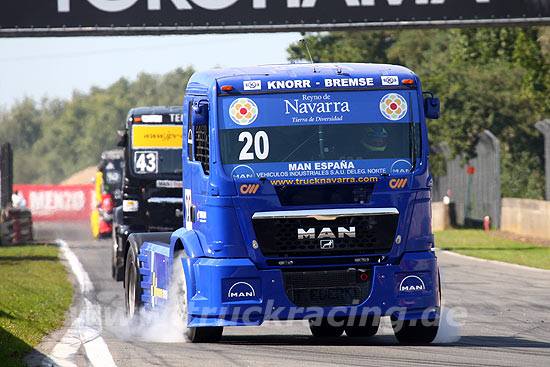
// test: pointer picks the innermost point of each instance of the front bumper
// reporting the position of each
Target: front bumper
(234, 292)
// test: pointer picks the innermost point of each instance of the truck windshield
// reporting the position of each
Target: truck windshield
(316, 143)
(112, 174)
(355, 132)
(156, 149)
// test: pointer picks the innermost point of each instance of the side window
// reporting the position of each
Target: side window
(198, 140)
(202, 151)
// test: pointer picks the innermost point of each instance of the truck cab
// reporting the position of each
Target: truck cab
(151, 185)
(108, 192)
(307, 195)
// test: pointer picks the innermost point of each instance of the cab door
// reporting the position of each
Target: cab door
(196, 157)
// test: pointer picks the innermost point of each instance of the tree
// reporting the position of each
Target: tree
(486, 78)
(352, 46)
(54, 139)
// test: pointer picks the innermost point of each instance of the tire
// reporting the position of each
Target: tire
(369, 327)
(132, 285)
(415, 331)
(323, 329)
(117, 272)
(206, 334)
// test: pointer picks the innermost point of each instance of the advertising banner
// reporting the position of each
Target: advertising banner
(59, 202)
(94, 17)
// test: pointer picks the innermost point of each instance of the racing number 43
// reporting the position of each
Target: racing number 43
(146, 162)
(261, 145)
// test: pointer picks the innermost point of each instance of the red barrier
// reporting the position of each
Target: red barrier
(58, 202)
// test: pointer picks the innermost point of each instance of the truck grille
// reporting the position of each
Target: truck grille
(278, 237)
(328, 288)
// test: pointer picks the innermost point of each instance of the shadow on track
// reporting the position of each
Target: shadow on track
(296, 340)
(379, 340)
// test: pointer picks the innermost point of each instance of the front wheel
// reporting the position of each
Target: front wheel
(207, 334)
(117, 272)
(132, 284)
(415, 331)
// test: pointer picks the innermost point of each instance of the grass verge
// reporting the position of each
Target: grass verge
(480, 244)
(34, 295)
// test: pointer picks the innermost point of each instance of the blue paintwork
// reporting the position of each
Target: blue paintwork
(219, 247)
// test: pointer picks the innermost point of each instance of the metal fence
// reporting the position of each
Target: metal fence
(544, 127)
(473, 188)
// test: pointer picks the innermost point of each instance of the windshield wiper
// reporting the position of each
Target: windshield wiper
(321, 143)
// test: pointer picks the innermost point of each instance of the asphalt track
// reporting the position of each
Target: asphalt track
(504, 312)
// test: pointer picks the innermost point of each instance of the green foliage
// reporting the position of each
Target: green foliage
(55, 138)
(486, 245)
(486, 78)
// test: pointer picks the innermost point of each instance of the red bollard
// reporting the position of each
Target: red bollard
(487, 223)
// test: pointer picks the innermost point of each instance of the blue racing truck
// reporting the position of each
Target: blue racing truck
(307, 195)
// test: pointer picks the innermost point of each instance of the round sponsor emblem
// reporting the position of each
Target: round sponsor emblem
(242, 171)
(412, 283)
(393, 106)
(243, 111)
(401, 166)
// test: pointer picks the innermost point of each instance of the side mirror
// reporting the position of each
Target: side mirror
(431, 107)
(122, 139)
(199, 113)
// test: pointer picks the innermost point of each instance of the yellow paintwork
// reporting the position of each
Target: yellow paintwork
(95, 213)
(157, 136)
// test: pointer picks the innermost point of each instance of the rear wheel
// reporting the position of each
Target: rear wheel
(132, 285)
(207, 334)
(362, 328)
(326, 328)
(415, 331)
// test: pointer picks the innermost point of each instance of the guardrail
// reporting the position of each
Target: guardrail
(16, 226)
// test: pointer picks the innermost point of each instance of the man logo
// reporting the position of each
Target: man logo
(398, 183)
(326, 232)
(249, 189)
(411, 283)
(401, 166)
(242, 171)
(327, 244)
(241, 290)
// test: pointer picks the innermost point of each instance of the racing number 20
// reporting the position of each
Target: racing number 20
(261, 145)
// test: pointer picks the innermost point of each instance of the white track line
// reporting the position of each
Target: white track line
(517, 266)
(85, 329)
